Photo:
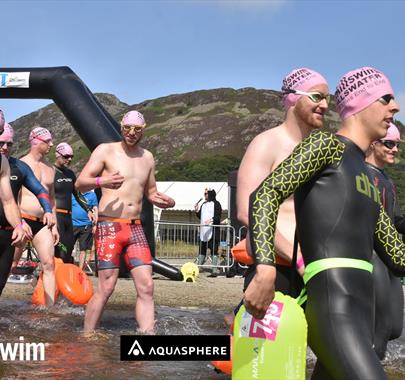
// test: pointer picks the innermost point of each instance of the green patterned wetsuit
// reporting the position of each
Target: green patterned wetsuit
(338, 215)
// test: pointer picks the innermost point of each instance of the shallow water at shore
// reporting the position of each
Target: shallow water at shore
(69, 355)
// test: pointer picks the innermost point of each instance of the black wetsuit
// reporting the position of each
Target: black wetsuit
(20, 175)
(389, 296)
(338, 216)
(64, 188)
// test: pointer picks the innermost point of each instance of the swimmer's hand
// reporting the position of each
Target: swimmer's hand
(161, 200)
(260, 292)
(49, 219)
(18, 238)
(21, 233)
(113, 181)
(55, 235)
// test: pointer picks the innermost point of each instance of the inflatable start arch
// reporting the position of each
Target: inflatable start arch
(88, 117)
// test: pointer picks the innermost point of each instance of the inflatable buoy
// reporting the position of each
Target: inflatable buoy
(38, 297)
(240, 253)
(225, 366)
(190, 272)
(74, 284)
(271, 348)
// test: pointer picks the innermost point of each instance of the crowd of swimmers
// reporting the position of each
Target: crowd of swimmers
(298, 185)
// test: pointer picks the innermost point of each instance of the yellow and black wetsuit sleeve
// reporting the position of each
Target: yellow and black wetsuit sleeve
(388, 244)
(317, 151)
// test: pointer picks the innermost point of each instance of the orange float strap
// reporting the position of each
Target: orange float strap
(225, 366)
(74, 284)
(240, 253)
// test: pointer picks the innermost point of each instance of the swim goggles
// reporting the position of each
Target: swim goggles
(132, 128)
(315, 96)
(385, 99)
(390, 144)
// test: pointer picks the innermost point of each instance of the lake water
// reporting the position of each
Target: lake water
(70, 356)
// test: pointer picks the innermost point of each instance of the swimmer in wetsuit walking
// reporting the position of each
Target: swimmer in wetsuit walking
(64, 189)
(389, 309)
(339, 222)
(20, 175)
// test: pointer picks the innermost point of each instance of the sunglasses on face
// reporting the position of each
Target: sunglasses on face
(67, 157)
(390, 144)
(132, 128)
(385, 99)
(6, 143)
(315, 96)
(44, 141)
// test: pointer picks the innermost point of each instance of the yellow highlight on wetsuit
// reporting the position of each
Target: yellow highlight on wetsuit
(190, 272)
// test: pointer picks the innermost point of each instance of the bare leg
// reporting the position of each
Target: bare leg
(43, 243)
(18, 251)
(107, 278)
(145, 307)
(82, 258)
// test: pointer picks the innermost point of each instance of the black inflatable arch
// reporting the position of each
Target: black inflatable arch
(88, 117)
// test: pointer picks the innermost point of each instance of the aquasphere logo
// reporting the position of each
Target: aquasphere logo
(175, 347)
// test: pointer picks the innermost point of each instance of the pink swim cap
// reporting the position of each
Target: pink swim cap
(2, 121)
(41, 134)
(392, 133)
(133, 118)
(302, 79)
(8, 133)
(63, 149)
(358, 89)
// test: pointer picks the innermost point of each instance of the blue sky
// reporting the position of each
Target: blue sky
(142, 50)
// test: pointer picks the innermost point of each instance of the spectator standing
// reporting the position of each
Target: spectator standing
(83, 226)
(209, 214)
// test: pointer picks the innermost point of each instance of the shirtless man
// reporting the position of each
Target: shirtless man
(44, 237)
(125, 172)
(305, 99)
(20, 175)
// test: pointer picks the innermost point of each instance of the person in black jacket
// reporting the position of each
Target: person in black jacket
(209, 214)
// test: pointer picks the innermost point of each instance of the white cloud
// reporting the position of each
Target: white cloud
(400, 99)
(253, 4)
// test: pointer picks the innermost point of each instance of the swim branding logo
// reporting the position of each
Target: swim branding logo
(175, 347)
(22, 351)
(13, 79)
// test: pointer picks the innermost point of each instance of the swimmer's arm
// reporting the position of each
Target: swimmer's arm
(155, 197)
(93, 168)
(11, 210)
(32, 184)
(389, 245)
(255, 166)
(316, 152)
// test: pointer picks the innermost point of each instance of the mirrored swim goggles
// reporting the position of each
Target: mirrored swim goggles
(390, 144)
(133, 128)
(315, 96)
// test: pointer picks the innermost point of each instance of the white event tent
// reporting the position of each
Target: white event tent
(186, 195)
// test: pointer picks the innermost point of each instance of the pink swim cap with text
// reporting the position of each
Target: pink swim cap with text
(63, 149)
(41, 134)
(302, 79)
(8, 133)
(359, 88)
(133, 118)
